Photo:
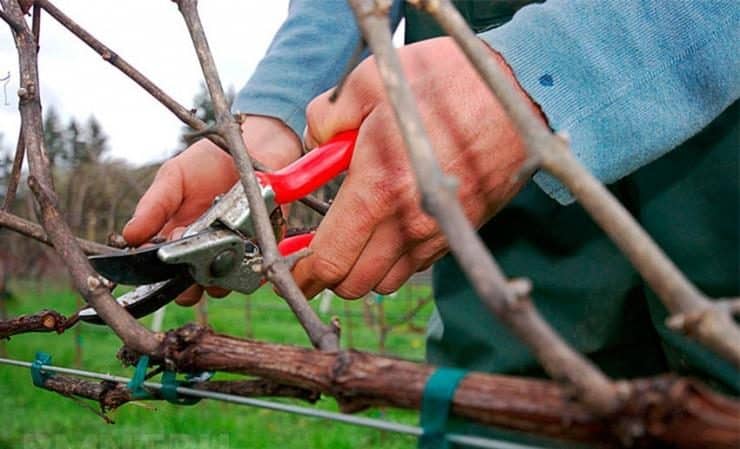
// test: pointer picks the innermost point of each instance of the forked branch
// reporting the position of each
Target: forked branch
(84, 278)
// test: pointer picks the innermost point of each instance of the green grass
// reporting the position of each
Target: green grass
(34, 418)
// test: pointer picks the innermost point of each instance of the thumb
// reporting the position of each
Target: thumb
(362, 90)
(156, 207)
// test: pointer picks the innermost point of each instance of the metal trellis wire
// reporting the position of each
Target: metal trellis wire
(361, 421)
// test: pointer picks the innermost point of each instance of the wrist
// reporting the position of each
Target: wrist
(270, 141)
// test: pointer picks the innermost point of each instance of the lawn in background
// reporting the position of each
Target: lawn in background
(38, 419)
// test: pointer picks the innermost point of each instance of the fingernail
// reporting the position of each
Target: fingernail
(130, 221)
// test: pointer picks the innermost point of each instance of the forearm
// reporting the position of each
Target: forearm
(307, 56)
(626, 81)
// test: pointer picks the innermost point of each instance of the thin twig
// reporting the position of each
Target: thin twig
(43, 321)
(716, 328)
(184, 114)
(278, 269)
(36, 26)
(354, 60)
(36, 232)
(15, 173)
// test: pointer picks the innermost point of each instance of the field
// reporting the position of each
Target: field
(38, 419)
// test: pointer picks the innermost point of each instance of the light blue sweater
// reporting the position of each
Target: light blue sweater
(627, 80)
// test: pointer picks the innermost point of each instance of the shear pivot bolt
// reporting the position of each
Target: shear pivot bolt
(223, 263)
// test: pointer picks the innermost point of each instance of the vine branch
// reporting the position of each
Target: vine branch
(714, 326)
(36, 232)
(43, 321)
(85, 279)
(112, 395)
(15, 172)
(439, 199)
(666, 409)
(277, 268)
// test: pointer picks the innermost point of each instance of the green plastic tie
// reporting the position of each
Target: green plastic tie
(38, 375)
(169, 390)
(435, 407)
(135, 384)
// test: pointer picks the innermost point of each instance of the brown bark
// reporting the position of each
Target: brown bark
(111, 395)
(84, 277)
(36, 232)
(43, 321)
(654, 411)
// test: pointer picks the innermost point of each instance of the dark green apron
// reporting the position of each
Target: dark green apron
(583, 286)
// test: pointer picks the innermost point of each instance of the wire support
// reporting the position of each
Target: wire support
(361, 421)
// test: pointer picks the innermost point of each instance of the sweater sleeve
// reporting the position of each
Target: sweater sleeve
(627, 81)
(307, 56)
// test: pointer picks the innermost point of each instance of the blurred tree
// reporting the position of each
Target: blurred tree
(96, 142)
(54, 138)
(75, 145)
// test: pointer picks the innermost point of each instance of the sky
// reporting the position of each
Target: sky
(151, 35)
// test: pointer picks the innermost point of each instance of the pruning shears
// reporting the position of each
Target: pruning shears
(219, 248)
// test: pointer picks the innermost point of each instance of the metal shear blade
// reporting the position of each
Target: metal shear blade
(216, 249)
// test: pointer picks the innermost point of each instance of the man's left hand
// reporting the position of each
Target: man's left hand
(376, 235)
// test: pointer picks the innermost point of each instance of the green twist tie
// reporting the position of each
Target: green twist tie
(435, 407)
(135, 384)
(169, 390)
(38, 376)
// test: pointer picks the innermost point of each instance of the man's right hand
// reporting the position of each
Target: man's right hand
(186, 185)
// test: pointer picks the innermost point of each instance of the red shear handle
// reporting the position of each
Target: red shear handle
(289, 245)
(292, 244)
(313, 170)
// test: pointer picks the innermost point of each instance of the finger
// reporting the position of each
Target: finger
(191, 296)
(410, 263)
(382, 251)
(361, 92)
(159, 203)
(396, 276)
(341, 236)
(176, 233)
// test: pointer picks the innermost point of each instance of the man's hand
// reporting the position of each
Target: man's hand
(375, 235)
(186, 185)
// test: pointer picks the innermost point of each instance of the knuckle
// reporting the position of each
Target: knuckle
(425, 254)
(387, 192)
(420, 227)
(328, 271)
